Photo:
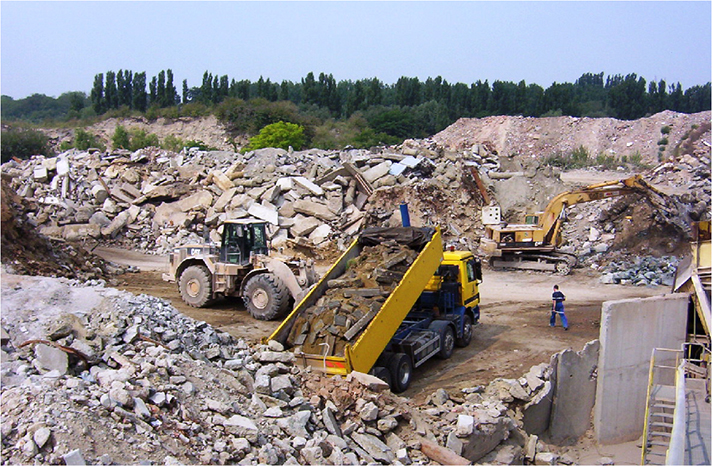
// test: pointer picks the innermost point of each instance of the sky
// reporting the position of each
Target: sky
(56, 47)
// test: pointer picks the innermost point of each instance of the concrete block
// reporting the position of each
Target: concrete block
(320, 234)
(222, 181)
(304, 225)
(224, 199)
(285, 184)
(305, 183)
(266, 213)
(374, 173)
(485, 438)
(575, 393)
(40, 174)
(630, 329)
(201, 199)
(314, 209)
(81, 231)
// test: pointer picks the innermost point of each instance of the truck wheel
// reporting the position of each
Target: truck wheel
(401, 372)
(266, 297)
(195, 286)
(383, 374)
(447, 338)
(466, 337)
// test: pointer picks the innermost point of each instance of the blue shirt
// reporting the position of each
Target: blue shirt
(558, 296)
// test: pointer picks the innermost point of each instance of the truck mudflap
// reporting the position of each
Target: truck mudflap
(365, 351)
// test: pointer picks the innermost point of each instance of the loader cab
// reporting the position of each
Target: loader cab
(241, 240)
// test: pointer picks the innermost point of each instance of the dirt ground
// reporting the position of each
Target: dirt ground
(512, 336)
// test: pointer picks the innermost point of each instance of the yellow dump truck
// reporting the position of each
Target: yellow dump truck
(431, 309)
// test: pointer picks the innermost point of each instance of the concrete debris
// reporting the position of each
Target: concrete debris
(181, 392)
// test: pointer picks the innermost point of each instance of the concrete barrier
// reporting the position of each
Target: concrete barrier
(630, 329)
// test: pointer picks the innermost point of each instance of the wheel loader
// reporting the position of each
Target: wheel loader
(241, 267)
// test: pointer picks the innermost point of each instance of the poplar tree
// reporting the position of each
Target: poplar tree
(97, 95)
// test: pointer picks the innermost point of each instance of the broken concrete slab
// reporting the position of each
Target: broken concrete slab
(263, 212)
(575, 393)
(312, 187)
(314, 209)
(304, 225)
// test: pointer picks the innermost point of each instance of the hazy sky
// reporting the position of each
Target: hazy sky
(56, 47)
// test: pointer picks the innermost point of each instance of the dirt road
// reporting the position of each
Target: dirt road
(512, 336)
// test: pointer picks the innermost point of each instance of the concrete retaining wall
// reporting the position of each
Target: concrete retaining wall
(630, 329)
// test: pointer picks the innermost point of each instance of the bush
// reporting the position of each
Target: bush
(173, 143)
(23, 143)
(663, 142)
(665, 129)
(83, 140)
(579, 158)
(120, 139)
(140, 139)
(280, 134)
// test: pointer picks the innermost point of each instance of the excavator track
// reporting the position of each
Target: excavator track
(560, 263)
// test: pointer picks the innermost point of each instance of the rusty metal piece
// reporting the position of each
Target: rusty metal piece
(66, 349)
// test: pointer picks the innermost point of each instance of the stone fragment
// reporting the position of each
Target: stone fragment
(41, 436)
(314, 209)
(373, 383)
(374, 447)
(315, 189)
(50, 358)
(266, 213)
(74, 458)
(330, 422)
(465, 425)
(369, 412)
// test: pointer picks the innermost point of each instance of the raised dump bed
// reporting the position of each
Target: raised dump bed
(346, 321)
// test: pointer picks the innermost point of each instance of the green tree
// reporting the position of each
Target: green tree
(170, 95)
(138, 91)
(84, 140)
(280, 134)
(98, 101)
(121, 139)
(110, 92)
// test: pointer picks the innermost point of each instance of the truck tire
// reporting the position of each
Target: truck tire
(447, 338)
(383, 373)
(195, 286)
(401, 369)
(466, 337)
(266, 297)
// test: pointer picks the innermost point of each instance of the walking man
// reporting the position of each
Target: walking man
(557, 307)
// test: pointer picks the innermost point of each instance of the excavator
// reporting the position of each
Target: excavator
(535, 244)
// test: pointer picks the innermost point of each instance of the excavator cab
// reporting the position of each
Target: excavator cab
(241, 240)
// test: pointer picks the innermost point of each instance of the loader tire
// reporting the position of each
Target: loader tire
(195, 286)
(266, 297)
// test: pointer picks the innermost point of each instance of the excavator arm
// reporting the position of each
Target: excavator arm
(550, 221)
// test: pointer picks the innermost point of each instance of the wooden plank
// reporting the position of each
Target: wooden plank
(441, 454)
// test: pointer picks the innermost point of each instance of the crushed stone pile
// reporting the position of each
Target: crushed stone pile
(641, 271)
(352, 300)
(94, 375)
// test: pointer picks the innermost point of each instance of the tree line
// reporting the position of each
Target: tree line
(409, 107)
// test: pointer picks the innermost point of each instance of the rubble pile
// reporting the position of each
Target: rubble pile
(352, 300)
(106, 377)
(641, 271)
(153, 200)
(24, 251)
